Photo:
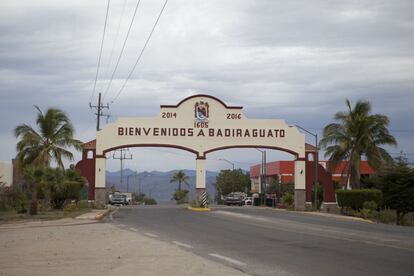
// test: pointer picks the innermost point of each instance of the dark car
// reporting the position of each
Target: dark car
(234, 199)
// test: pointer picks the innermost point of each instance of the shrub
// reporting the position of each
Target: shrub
(70, 207)
(61, 192)
(386, 216)
(370, 205)
(150, 201)
(288, 199)
(356, 198)
(181, 196)
(364, 213)
(12, 198)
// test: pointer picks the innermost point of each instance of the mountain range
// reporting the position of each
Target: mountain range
(157, 184)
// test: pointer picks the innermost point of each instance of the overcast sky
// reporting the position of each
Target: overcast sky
(292, 60)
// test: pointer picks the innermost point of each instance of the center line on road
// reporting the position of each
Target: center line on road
(182, 244)
(133, 229)
(227, 259)
(151, 235)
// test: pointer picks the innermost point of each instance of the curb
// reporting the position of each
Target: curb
(100, 216)
(320, 214)
(199, 209)
(342, 217)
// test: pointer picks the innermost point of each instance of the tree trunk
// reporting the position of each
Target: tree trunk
(179, 186)
(33, 204)
(355, 178)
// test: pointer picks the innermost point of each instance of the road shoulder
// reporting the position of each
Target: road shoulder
(90, 247)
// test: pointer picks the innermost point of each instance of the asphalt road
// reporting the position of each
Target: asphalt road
(270, 242)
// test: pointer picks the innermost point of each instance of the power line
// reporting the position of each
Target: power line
(114, 43)
(122, 157)
(142, 51)
(100, 52)
(123, 48)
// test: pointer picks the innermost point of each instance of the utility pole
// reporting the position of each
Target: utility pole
(99, 111)
(122, 157)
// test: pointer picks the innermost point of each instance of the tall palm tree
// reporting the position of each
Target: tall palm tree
(357, 133)
(36, 149)
(48, 144)
(179, 177)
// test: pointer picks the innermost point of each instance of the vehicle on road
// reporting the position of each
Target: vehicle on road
(234, 199)
(248, 201)
(118, 199)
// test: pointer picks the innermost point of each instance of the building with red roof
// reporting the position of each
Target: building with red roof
(283, 172)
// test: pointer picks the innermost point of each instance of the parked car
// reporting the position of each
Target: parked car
(118, 199)
(234, 199)
(248, 201)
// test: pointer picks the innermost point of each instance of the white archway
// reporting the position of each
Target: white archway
(201, 124)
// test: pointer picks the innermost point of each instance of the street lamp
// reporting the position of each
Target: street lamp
(135, 176)
(263, 175)
(316, 158)
(222, 159)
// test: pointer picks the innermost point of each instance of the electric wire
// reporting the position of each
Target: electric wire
(123, 47)
(142, 51)
(113, 45)
(100, 52)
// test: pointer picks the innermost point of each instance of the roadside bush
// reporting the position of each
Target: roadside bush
(364, 213)
(370, 205)
(67, 190)
(288, 199)
(150, 201)
(71, 207)
(83, 204)
(355, 198)
(386, 216)
(181, 196)
(12, 198)
(287, 188)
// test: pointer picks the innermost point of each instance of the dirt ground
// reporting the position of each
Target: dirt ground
(86, 247)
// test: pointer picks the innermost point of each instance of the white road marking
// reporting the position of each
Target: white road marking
(122, 225)
(133, 229)
(234, 214)
(151, 235)
(182, 244)
(227, 259)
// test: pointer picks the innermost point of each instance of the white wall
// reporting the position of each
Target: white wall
(6, 173)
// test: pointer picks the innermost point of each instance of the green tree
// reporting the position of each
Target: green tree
(179, 177)
(56, 186)
(33, 175)
(397, 185)
(228, 181)
(49, 143)
(357, 133)
(36, 149)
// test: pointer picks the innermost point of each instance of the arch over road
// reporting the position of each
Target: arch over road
(201, 124)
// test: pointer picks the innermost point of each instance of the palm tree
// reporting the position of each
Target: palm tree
(36, 149)
(358, 133)
(179, 177)
(48, 144)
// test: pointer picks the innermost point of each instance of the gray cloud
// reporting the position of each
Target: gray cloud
(279, 59)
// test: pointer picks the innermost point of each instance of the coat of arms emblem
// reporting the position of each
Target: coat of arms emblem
(201, 112)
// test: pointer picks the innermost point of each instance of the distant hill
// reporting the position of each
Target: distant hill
(157, 184)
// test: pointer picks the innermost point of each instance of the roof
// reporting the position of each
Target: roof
(90, 145)
(288, 167)
(309, 148)
(365, 168)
